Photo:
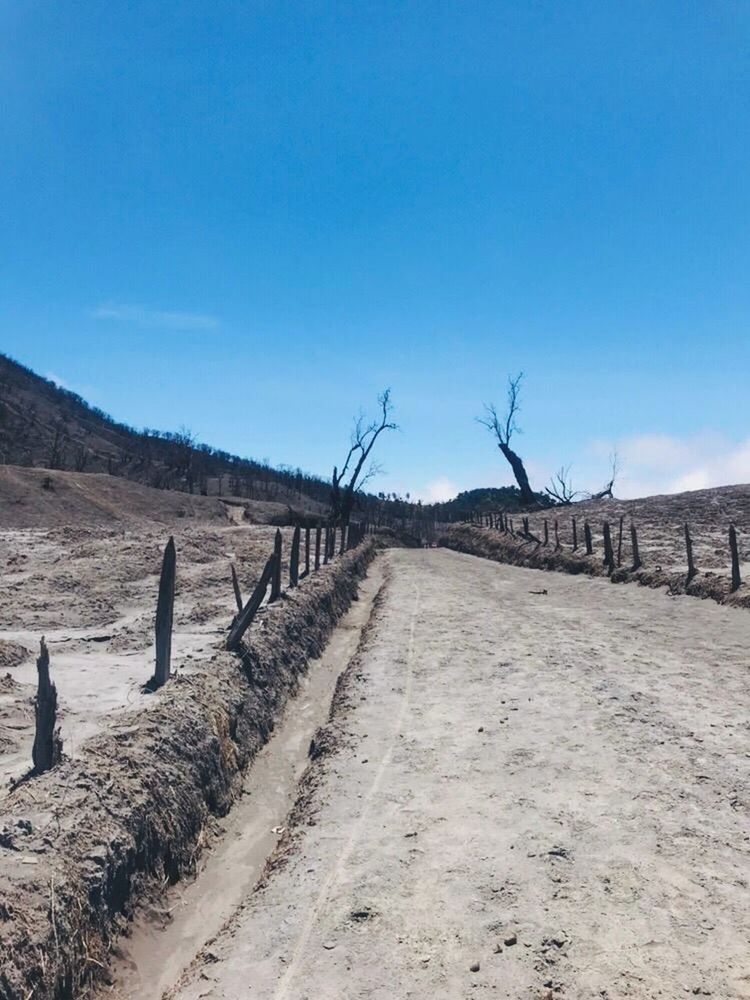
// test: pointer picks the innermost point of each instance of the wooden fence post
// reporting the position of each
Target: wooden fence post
(294, 558)
(510, 522)
(609, 555)
(327, 544)
(557, 536)
(587, 538)
(733, 548)
(318, 532)
(245, 617)
(525, 522)
(47, 749)
(307, 551)
(342, 546)
(276, 578)
(546, 532)
(689, 550)
(575, 535)
(619, 541)
(236, 588)
(164, 615)
(634, 543)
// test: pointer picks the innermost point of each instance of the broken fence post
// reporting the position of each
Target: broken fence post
(587, 538)
(276, 578)
(245, 617)
(294, 558)
(733, 548)
(236, 588)
(634, 543)
(525, 522)
(609, 555)
(164, 615)
(47, 749)
(689, 550)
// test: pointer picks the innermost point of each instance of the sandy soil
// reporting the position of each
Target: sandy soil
(523, 795)
(660, 522)
(91, 591)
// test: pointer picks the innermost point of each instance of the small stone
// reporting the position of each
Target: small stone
(481, 729)
(474, 967)
(328, 945)
(498, 949)
(510, 940)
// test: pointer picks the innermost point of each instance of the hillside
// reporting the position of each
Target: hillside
(43, 425)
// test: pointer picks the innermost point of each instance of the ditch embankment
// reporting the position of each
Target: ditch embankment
(82, 845)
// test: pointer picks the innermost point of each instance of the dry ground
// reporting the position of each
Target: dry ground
(88, 583)
(523, 795)
(660, 521)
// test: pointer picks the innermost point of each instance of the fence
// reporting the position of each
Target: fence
(336, 540)
(499, 521)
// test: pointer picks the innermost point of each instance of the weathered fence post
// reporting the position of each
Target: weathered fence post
(619, 541)
(245, 617)
(236, 588)
(342, 546)
(47, 749)
(327, 544)
(294, 558)
(634, 544)
(733, 548)
(546, 532)
(557, 536)
(689, 550)
(525, 522)
(318, 532)
(307, 551)
(575, 535)
(276, 578)
(609, 555)
(587, 538)
(164, 615)
(510, 522)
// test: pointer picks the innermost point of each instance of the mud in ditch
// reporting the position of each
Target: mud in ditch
(81, 845)
(166, 937)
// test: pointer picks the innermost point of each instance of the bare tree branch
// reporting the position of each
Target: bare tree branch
(364, 436)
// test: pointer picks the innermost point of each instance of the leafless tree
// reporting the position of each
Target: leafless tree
(607, 491)
(560, 488)
(352, 477)
(503, 429)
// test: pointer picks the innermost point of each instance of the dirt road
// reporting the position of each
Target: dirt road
(525, 795)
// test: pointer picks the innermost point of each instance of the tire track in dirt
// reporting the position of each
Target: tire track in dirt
(320, 902)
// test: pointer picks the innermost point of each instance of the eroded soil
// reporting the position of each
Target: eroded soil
(534, 785)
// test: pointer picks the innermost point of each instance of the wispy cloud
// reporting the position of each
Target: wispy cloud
(164, 319)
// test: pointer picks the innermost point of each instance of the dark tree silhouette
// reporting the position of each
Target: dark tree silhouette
(364, 436)
(503, 429)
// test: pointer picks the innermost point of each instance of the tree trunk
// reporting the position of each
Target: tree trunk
(527, 494)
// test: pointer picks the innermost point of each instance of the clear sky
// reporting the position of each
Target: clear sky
(249, 217)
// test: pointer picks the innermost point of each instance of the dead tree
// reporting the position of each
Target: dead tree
(47, 749)
(346, 483)
(607, 491)
(560, 488)
(503, 428)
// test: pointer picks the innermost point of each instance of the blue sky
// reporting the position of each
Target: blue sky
(248, 218)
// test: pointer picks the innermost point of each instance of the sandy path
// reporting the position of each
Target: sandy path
(567, 770)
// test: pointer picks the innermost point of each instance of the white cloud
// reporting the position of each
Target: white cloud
(663, 463)
(439, 490)
(163, 318)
